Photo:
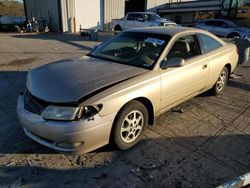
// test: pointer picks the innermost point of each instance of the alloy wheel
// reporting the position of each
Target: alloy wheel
(132, 126)
(221, 82)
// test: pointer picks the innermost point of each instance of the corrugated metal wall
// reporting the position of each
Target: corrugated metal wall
(113, 9)
(82, 14)
(153, 5)
(44, 10)
(68, 15)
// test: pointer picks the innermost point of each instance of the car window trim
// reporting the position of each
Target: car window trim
(151, 67)
(211, 38)
(190, 34)
(200, 44)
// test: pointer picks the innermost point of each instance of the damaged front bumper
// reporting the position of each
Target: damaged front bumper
(79, 136)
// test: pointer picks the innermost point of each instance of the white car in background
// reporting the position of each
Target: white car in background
(223, 28)
(140, 19)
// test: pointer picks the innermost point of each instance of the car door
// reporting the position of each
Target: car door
(130, 21)
(217, 58)
(139, 21)
(180, 83)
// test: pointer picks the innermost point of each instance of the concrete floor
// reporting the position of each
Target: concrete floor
(206, 145)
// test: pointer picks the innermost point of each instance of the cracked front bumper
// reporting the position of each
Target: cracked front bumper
(83, 135)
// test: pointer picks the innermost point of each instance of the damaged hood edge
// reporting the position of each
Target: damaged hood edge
(77, 80)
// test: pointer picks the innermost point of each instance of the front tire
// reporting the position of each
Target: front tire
(118, 28)
(221, 82)
(129, 126)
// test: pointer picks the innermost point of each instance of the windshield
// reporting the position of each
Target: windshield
(132, 48)
(151, 17)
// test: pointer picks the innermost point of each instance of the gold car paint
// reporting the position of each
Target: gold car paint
(146, 85)
(167, 88)
(181, 82)
(163, 88)
(215, 58)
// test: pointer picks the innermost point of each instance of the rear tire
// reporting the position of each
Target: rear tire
(233, 35)
(221, 82)
(129, 126)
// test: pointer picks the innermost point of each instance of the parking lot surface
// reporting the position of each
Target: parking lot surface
(202, 143)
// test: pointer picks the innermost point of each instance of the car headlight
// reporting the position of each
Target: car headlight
(63, 113)
(90, 111)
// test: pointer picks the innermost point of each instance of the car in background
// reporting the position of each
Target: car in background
(223, 28)
(139, 19)
(247, 37)
(116, 91)
(8, 23)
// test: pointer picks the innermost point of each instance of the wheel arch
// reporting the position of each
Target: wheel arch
(229, 68)
(149, 106)
(117, 27)
(146, 102)
(233, 32)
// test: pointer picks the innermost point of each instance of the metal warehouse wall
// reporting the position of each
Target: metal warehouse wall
(113, 9)
(87, 14)
(153, 5)
(67, 8)
(44, 10)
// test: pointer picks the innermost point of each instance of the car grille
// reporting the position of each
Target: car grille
(33, 104)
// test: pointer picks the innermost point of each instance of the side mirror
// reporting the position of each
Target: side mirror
(173, 62)
(140, 19)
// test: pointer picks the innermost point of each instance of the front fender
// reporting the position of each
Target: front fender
(113, 99)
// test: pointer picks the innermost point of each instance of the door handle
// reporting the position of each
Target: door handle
(204, 66)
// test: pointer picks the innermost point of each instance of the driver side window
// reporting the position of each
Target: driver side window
(131, 17)
(139, 17)
(185, 48)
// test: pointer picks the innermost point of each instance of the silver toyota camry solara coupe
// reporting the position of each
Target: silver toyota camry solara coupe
(113, 93)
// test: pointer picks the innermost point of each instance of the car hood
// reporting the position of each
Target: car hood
(161, 22)
(69, 81)
(165, 21)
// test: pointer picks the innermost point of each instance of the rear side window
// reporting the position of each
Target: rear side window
(214, 23)
(131, 17)
(208, 43)
(210, 23)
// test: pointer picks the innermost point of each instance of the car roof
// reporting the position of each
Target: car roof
(141, 12)
(224, 20)
(163, 30)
